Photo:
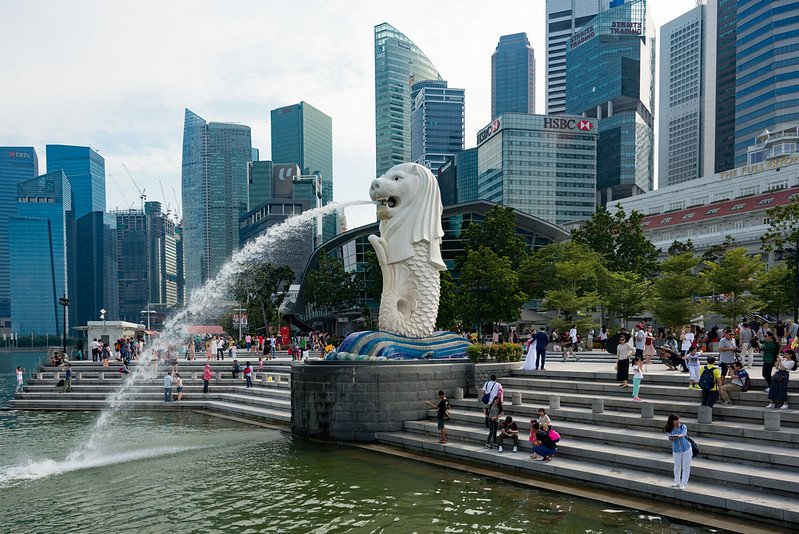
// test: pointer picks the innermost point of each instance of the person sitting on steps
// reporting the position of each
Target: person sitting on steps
(509, 431)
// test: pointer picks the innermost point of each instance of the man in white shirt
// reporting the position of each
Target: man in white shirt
(639, 341)
(571, 346)
(745, 335)
(491, 387)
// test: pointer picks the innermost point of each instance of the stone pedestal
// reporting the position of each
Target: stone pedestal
(705, 416)
(352, 401)
(771, 420)
(458, 393)
(516, 398)
(554, 402)
(647, 410)
(597, 405)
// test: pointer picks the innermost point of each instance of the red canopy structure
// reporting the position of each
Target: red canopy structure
(204, 329)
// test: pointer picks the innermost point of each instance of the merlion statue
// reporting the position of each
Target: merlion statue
(409, 248)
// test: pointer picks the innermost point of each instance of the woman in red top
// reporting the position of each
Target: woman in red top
(649, 345)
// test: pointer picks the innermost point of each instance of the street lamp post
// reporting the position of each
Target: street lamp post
(64, 301)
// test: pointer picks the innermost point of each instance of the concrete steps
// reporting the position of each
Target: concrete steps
(750, 504)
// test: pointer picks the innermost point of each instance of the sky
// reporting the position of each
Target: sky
(117, 76)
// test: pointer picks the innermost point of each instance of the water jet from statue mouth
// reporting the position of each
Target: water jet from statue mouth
(390, 202)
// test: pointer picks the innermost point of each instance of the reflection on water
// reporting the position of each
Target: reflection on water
(186, 472)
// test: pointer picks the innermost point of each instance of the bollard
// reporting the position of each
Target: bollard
(771, 420)
(39, 376)
(101, 376)
(597, 405)
(705, 416)
(554, 402)
(647, 410)
(458, 393)
(516, 398)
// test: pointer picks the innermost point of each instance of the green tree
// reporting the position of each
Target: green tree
(330, 286)
(625, 294)
(715, 252)
(783, 229)
(676, 290)
(554, 265)
(262, 287)
(735, 278)
(373, 276)
(488, 289)
(447, 303)
(620, 240)
(678, 247)
(776, 290)
(498, 233)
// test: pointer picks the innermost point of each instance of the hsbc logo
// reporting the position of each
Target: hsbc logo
(568, 124)
(488, 131)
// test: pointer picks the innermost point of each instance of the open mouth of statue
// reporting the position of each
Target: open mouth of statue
(391, 202)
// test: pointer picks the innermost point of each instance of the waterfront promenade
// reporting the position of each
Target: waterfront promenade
(612, 448)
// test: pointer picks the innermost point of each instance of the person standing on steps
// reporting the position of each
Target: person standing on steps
(207, 375)
(727, 351)
(442, 414)
(649, 345)
(680, 451)
(770, 349)
(68, 379)
(686, 342)
(167, 387)
(638, 375)
(492, 388)
(710, 382)
(494, 412)
(745, 336)
(541, 341)
(778, 392)
(529, 359)
(248, 375)
(623, 353)
(639, 341)
(20, 372)
(693, 367)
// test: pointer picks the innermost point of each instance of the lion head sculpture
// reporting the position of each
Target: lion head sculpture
(409, 211)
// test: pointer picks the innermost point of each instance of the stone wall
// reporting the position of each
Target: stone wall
(351, 400)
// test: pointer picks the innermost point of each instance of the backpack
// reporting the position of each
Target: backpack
(747, 383)
(707, 379)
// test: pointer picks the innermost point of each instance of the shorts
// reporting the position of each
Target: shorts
(180, 389)
(440, 424)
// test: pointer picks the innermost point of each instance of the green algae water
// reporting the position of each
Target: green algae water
(187, 472)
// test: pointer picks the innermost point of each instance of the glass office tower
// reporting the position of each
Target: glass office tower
(41, 245)
(214, 183)
(513, 75)
(303, 135)
(544, 165)
(724, 12)
(398, 63)
(610, 76)
(17, 164)
(437, 123)
(85, 169)
(96, 268)
(767, 55)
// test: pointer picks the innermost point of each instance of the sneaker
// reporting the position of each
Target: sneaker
(683, 486)
(770, 405)
(637, 399)
(516, 449)
(546, 458)
(690, 386)
(488, 445)
(784, 407)
(766, 390)
(499, 448)
(534, 457)
(675, 484)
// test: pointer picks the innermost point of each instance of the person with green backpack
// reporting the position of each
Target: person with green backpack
(709, 382)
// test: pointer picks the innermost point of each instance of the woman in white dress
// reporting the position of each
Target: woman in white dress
(529, 360)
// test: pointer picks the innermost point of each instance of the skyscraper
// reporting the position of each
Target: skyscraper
(564, 18)
(132, 258)
(97, 287)
(437, 122)
(724, 11)
(687, 107)
(539, 164)
(766, 92)
(214, 180)
(513, 76)
(398, 63)
(41, 246)
(85, 169)
(610, 75)
(17, 164)
(303, 135)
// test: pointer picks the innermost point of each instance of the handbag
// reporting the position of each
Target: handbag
(694, 447)
(780, 375)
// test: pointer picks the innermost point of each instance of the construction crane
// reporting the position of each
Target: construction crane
(178, 212)
(121, 192)
(142, 194)
(163, 195)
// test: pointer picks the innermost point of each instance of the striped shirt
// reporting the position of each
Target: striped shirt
(680, 444)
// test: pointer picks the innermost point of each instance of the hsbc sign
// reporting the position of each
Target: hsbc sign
(555, 123)
(488, 131)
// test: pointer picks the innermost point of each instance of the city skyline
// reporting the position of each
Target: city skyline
(131, 109)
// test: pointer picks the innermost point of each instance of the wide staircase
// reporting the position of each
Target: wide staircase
(613, 443)
(268, 401)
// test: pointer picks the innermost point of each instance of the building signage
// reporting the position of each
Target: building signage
(626, 28)
(488, 131)
(784, 161)
(19, 155)
(582, 36)
(557, 123)
(282, 179)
